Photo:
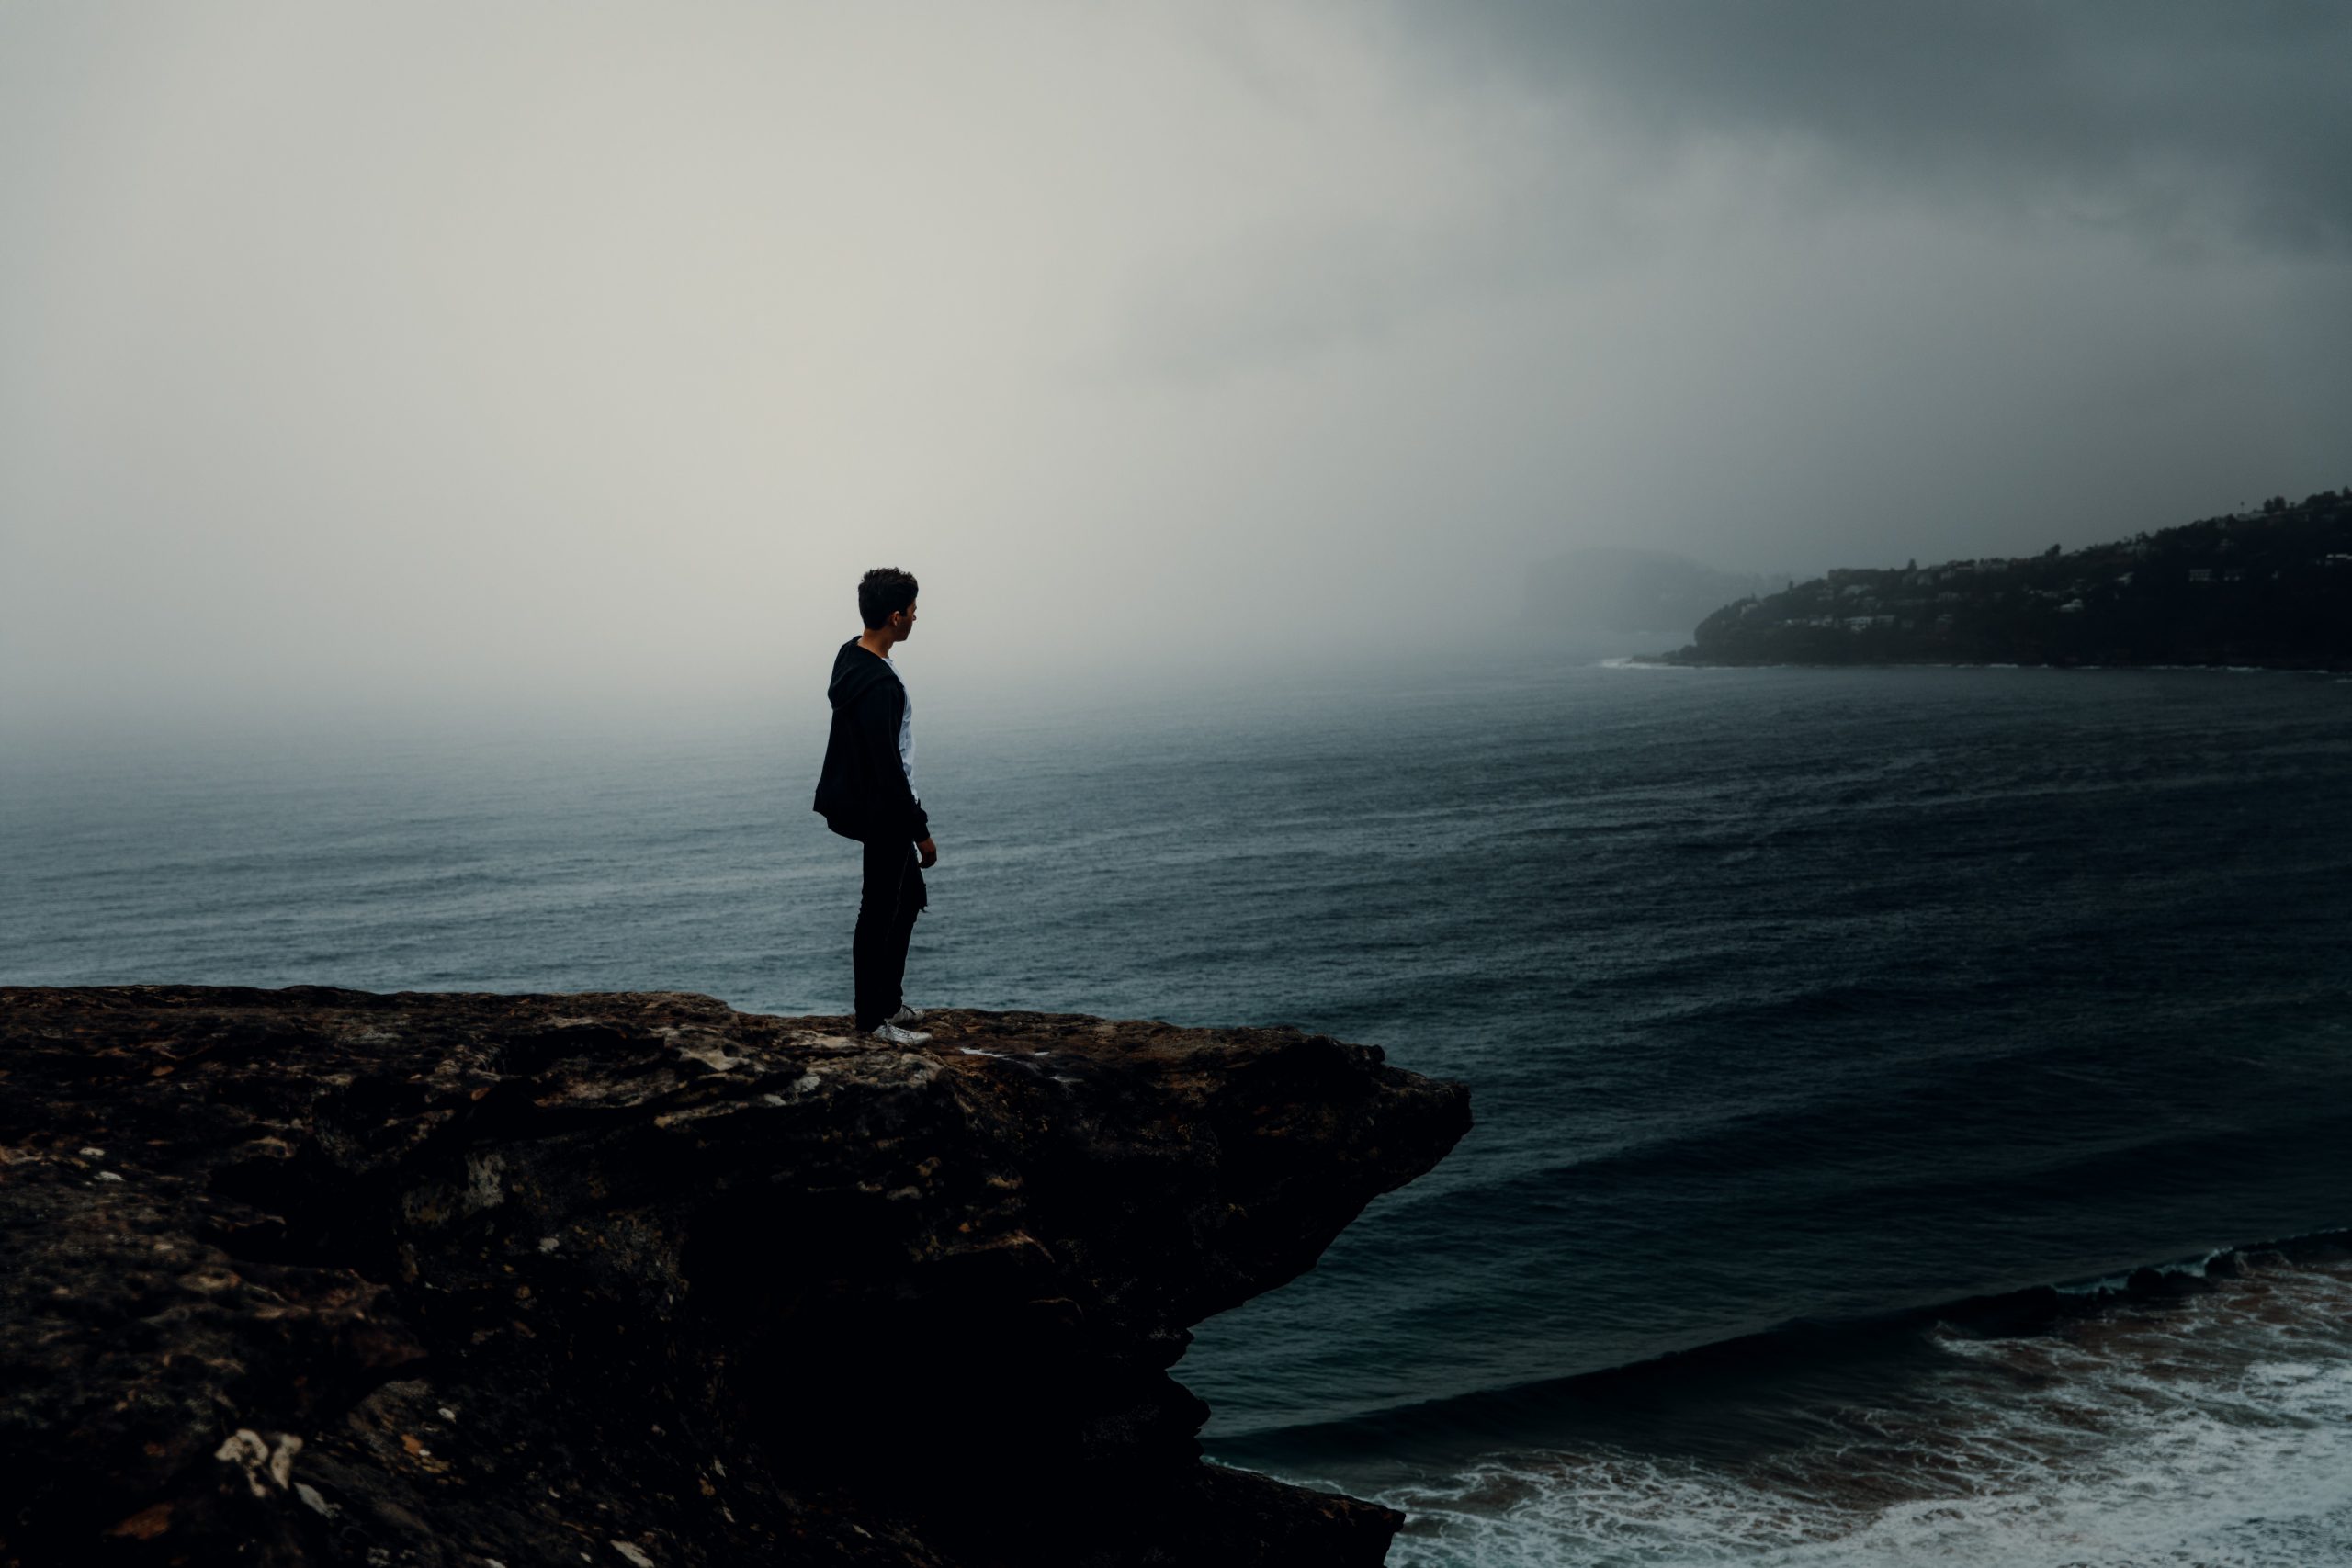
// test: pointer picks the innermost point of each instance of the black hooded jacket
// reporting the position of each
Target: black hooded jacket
(863, 792)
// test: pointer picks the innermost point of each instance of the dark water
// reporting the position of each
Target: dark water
(1800, 1009)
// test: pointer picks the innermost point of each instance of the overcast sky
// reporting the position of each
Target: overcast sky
(453, 352)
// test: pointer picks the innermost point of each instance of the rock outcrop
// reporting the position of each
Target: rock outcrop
(323, 1276)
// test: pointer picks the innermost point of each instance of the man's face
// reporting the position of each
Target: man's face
(904, 620)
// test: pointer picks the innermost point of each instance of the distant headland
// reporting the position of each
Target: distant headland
(2270, 587)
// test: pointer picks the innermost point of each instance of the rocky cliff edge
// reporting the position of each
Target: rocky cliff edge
(312, 1277)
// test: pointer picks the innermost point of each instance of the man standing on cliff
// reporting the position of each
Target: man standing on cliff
(867, 793)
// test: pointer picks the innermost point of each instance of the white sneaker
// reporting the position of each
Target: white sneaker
(905, 1016)
(891, 1034)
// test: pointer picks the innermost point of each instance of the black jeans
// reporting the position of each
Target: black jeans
(893, 896)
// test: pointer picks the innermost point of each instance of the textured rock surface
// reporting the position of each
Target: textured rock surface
(325, 1276)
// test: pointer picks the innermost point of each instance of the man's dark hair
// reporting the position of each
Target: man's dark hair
(883, 592)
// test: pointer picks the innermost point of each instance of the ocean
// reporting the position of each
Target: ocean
(1914, 1106)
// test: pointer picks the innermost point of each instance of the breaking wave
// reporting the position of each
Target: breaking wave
(2198, 1414)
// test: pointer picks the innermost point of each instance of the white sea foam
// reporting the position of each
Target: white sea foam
(2215, 1430)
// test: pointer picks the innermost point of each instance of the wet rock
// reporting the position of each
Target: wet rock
(706, 1287)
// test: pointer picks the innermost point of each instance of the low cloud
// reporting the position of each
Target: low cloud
(415, 355)
(2187, 122)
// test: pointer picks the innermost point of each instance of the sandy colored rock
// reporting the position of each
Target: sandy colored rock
(715, 1287)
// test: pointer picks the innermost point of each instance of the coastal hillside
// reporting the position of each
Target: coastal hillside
(322, 1276)
(2269, 587)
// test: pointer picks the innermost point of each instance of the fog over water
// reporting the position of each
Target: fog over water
(432, 359)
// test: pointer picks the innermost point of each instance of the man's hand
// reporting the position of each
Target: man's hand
(927, 853)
